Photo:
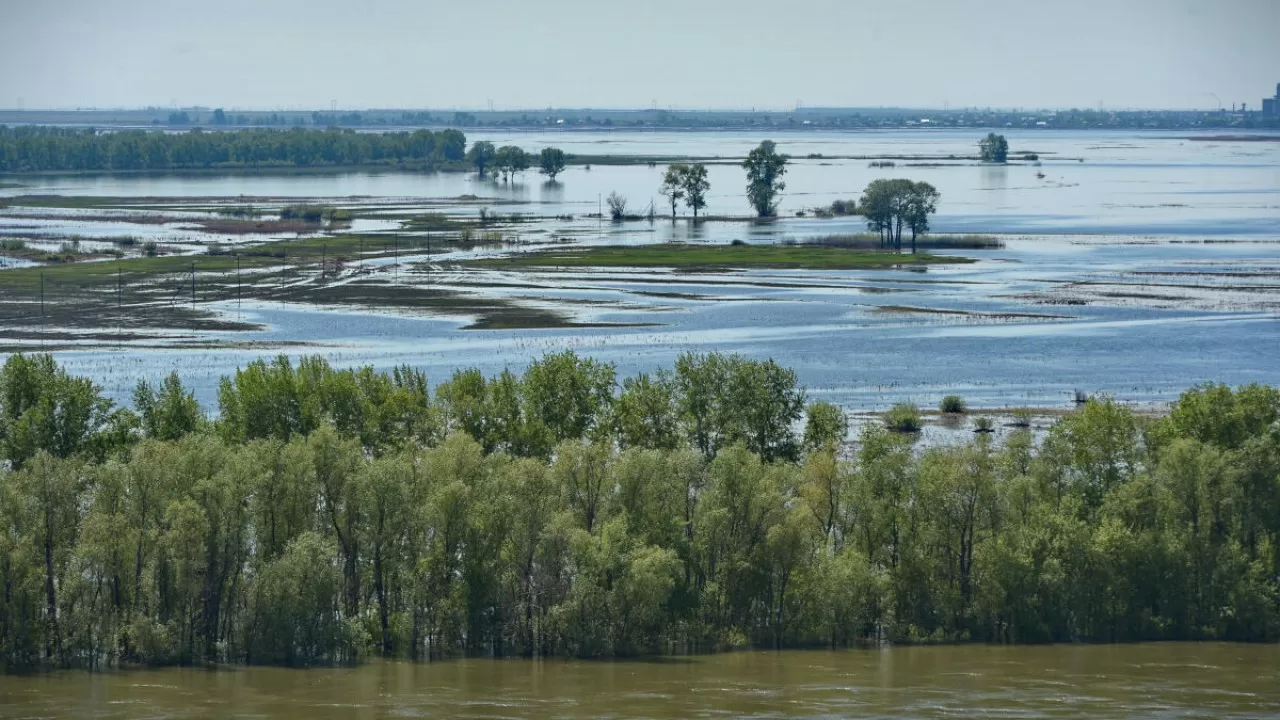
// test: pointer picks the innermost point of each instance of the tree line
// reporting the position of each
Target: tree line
(511, 160)
(35, 148)
(326, 515)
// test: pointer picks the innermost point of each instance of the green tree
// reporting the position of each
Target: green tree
(481, 154)
(44, 408)
(168, 412)
(673, 186)
(510, 161)
(921, 202)
(694, 183)
(551, 162)
(993, 148)
(292, 608)
(647, 413)
(765, 168)
(825, 426)
(571, 396)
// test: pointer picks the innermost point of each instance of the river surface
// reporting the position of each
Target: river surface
(1188, 680)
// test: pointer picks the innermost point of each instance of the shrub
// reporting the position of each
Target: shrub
(306, 213)
(903, 418)
(13, 245)
(1021, 418)
(844, 207)
(150, 249)
(1081, 397)
(952, 405)
(983, 425)
(617, 206)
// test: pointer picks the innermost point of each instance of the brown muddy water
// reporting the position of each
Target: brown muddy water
(1175, 680)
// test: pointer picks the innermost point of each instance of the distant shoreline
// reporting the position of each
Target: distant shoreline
(1236, 138)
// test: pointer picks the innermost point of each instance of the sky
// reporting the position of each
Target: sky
(525, 54)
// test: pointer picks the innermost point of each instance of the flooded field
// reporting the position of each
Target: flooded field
(1140, 264)
(1128, 681)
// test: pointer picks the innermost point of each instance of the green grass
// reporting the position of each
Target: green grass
(927, 242)
(726, 257)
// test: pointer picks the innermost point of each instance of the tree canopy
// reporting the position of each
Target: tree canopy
(39, 148)
(890, 205)
(481, 155)
(551, 162)
(765, 167)
(510, 161)
(993, 148)
(554, 512)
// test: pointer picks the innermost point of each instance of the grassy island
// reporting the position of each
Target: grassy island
(720, 257)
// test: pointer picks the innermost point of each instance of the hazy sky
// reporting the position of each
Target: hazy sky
(602, 53)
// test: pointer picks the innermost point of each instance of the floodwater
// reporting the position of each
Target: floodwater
(1151, 266)
(1095, 182)
(1152, 319)
(1129, 681)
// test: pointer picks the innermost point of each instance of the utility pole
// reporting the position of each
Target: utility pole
(324, 250)
(237, 286)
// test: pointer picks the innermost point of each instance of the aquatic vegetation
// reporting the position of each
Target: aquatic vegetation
(953, 405)
(903, 418)
(735, 255)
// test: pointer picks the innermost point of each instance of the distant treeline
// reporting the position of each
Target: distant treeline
(43, 148)
(799, 118)
(331, 514)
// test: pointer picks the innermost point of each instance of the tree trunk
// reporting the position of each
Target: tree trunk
(381, 590)
(52, 641)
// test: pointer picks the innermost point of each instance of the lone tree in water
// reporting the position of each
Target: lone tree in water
(694, 182)
(765, 168)
(994, 148)
(551, 162)
(673, 186)
(481, 155)
(617, 206)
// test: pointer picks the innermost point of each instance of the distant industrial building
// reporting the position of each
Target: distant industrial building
(1271, 105)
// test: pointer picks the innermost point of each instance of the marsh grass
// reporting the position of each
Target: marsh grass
(869, 241)
(725, 257)
(903, 418)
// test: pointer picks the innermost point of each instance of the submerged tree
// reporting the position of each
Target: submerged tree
(552, 512)
(765, 168)
(993, 148)
(510, 161)
(673, 186)
(693, 180)
(481, 154)
(617, 206)
(551, 162)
